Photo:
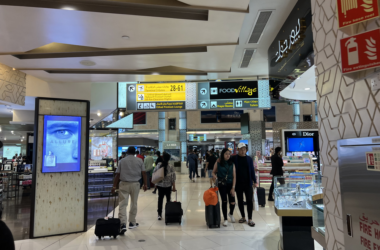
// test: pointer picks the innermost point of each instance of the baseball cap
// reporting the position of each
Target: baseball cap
(242, 145)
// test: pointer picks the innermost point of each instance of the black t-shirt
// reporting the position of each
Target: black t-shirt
(211, 162)
(159, 159)
(242, 171)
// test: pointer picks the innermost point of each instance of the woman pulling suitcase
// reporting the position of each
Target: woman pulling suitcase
(225, 173)
(167, 185)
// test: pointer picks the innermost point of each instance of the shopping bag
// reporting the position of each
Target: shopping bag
(158, 176)
(255, 200)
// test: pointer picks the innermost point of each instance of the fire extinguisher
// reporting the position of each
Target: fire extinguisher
(352, 51)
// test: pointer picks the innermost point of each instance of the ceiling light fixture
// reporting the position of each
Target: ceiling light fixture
(12, 132)
(68, 8)
(155, 73)
(14, 68)
(5, 138)
(125, 37)
(307, 88)
(99, 114)
(87, 63)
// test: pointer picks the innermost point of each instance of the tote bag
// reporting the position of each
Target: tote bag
(158, 176)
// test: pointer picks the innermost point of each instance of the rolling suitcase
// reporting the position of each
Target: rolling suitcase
(213, 214)
(203, 174)
(173, 212)
(261, 196)
(108, 227)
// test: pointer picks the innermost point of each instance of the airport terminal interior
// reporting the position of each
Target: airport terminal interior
(189, 124)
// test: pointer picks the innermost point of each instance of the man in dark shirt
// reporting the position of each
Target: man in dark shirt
(245, 181)
(210, 162)
(277, 164)
(192, 164)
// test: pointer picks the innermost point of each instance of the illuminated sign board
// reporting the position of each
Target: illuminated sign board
(198, 137)
(192, 96)
(231, 95)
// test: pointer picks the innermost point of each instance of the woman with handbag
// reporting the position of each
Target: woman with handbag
(225, 173)
(167, 184)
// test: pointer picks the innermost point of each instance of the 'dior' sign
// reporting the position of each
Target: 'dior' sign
(360, 52)
(356, 11)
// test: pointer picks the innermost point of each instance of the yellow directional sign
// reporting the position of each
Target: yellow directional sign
(161, 92)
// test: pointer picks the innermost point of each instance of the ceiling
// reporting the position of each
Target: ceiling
(55, 40)
(83, 41)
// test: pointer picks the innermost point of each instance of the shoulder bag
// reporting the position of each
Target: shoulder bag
(159, 175)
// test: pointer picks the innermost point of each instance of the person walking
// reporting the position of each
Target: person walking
(128, 174)
(192, 164)
(139, 156)
(167, 185)
(210, 163)
(277, 164)
(225, 173)
(245, 181)
(148, 163)
(158, 160)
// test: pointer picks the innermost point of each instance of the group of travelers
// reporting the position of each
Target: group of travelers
(233, 175)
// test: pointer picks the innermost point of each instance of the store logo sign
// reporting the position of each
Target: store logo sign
(286, 46)
(360, 52)
(308, 134)
(356, 11)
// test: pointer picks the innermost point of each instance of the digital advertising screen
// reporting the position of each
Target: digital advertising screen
(101, 147)
(61, 144)
(10, 151)
(300, 144)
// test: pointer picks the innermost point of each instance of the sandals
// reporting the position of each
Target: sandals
(242, 220)
(251, 224)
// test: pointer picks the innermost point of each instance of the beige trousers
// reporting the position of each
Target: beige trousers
(127, 189)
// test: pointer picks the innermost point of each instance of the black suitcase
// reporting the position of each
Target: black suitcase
(173, 212)
(261, 196)
(213, 216)
(110, 227)
(203, 174)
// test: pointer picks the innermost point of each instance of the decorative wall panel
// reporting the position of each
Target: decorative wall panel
(255, 137)
(12, 85)
(60, 199)
(191, 98)
(346, 109)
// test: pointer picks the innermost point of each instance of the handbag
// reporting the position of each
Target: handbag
(158, 176)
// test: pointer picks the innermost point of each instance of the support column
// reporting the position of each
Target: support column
(161, 130)
(256, 137)
(183, 133)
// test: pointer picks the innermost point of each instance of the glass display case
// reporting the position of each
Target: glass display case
(318, 214)
(295, 191)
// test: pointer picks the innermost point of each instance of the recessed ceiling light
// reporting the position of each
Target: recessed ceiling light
(12, 132)
(307, 88)
(87, 63)
(14, 68)
(5, 139)
(155, 73)
(68, 8)
(99, 114)
(125, 37)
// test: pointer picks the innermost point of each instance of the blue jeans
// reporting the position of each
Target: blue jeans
(192, 170)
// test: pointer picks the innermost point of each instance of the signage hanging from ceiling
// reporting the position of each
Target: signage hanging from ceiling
(294, 42)
(197, 137)
(352, 12)
(231, 95)
(214, 95)
(360, 52)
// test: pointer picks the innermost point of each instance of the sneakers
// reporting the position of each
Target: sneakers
(159, 217)
(225, 223)
(123, 228)
(133, 225)
(231, 218)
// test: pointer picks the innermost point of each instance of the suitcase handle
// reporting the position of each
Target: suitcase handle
(114, 205)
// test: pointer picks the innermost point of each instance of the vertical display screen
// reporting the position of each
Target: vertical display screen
(61, 144)
(101, 147)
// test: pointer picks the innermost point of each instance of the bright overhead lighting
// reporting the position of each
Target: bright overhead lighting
(125, 37)
(5, 139)
(307, 88)
(12, 132)
(68, 8)
(14, 68)
(155, 73)
(99, 114)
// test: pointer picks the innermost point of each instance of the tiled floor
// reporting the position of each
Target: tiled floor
(191, 235)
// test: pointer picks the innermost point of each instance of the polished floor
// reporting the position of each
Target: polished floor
(191, 235)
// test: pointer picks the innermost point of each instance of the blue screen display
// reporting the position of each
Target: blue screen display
(300, 144)
(61, 144)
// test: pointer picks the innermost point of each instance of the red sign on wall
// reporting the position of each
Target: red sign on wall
(360, 52)
(355, 11)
